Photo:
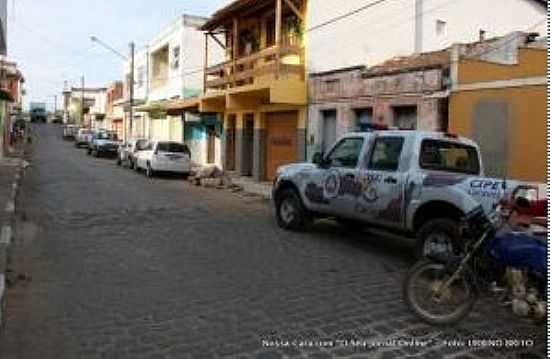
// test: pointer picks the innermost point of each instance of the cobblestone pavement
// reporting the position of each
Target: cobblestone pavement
(110, 264)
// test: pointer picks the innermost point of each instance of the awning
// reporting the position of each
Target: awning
(186, 104)
(152, 106)
(126, 104)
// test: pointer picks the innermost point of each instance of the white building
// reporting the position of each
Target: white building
(381, 30)
(95, 102)
(168, 68)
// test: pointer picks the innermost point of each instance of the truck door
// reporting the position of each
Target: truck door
(383, 183)
(336, 182)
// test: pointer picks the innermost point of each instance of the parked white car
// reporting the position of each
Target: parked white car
(164, 156)
(127, 152)
(83, 137)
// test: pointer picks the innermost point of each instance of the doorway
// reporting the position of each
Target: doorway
(281, 140)
(405, 117)
(211, 144)
(328, 129)
(230, 143)
(248, 144)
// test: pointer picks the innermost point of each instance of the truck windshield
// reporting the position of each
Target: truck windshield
(449, 156)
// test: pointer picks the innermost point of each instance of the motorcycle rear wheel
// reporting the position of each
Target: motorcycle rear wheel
(460, 296)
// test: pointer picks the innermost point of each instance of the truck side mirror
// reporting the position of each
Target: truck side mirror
(318, 158)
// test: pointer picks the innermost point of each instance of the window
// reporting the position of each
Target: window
(107, 136)
(176, 57)
(141, 144)
(364, 118)
(172, 147)
(346, 153)
(386, 154)
(482, 35)
(449, 156)
(405, 117)
(332, 85)
(440, 27)
(140, 76)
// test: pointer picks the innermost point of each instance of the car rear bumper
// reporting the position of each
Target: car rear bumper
(173, 167)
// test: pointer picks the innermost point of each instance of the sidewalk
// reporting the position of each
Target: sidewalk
(11, 172)
(250, 186)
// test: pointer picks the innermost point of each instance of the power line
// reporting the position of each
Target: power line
(346, 15)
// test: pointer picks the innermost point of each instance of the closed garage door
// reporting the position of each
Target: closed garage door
(281, 140)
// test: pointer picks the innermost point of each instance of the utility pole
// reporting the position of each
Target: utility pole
(82, 102)
(131, 84)
(55, 104)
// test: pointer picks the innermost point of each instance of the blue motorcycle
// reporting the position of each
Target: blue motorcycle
(443, 288)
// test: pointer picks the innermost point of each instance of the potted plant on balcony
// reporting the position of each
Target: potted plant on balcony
(294, 30)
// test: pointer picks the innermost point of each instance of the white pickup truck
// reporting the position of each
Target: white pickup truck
(415, 183)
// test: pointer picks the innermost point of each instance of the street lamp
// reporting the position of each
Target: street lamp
(125, 58)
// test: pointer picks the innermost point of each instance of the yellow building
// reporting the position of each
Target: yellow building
(260, 89)
(503, 107)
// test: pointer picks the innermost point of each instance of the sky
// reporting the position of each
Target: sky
(50, 39)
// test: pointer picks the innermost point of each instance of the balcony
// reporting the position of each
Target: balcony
(269, 64)
(262, 43)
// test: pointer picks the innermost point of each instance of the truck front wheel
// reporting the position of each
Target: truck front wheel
(439, 235)
(291, 213)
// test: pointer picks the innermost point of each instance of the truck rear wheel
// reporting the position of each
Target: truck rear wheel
(439, 235)
(290, 212)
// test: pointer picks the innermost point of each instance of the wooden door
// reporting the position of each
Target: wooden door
(211, 143)
(247, 157)
(281, 140)
(230, 145)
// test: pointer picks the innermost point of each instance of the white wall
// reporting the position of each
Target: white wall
(100, 104)
(141, 62)
(390, 28)
(187, 78)
(193, 60)
(465, 18)
(366, 38)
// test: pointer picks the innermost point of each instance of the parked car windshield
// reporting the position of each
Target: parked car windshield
(107, 136)
(449, 156)
(141, 144)
(172, 147)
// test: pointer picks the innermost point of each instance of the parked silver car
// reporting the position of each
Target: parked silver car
(127, 151)
(103, 143)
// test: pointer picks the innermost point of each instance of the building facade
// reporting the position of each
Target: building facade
(260, 87)
(500, 102)
(86, 107)
(406, 81)
(114, 113)
(11, 100)
(168, 69)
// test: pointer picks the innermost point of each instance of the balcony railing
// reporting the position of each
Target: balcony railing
(274, 62)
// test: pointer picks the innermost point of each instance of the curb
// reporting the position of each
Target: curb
(7, 237)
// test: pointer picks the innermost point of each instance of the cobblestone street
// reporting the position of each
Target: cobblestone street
(110, 264)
